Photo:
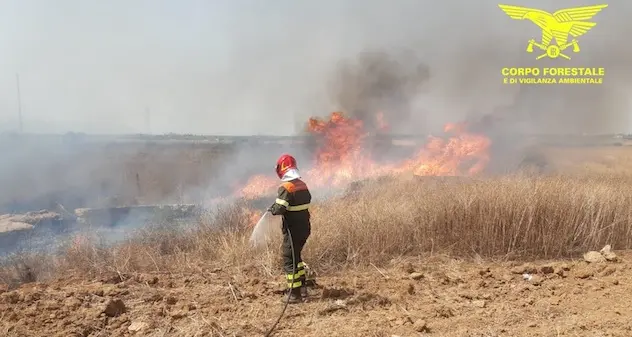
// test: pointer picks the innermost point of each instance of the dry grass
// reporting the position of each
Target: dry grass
(522, 216)
(516, 216)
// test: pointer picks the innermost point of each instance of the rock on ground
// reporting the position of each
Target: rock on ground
(594, 257)
(454, 298)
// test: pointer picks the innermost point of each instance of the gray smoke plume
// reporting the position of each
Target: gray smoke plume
(450, 71)
(245, 67)
(378, 82)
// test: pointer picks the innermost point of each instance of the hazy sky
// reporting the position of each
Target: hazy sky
(247, 66)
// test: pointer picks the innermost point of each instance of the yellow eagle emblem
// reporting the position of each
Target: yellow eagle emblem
(557, 25)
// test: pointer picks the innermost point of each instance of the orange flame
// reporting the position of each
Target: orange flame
(252, 216)
(341, 158)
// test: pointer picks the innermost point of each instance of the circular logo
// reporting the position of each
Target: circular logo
(553, 51)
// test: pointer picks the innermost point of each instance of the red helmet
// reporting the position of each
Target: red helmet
(285, 163)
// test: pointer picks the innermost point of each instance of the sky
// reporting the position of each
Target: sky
(246, 67)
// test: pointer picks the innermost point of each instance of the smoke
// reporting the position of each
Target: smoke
(247, 67)
(450, 70)
(244, 67)
(380, 83)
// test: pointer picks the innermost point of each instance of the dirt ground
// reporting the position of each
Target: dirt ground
(434, 296)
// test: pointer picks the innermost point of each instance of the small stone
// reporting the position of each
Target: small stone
(416, 276)
(420, 326)
(479, 303)
(137, 326)
(612, 257)
(608, 254)
(608, 271)
(594, 257)
(536, 280)
(584, 273)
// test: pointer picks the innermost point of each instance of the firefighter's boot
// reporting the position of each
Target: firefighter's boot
(295, 296)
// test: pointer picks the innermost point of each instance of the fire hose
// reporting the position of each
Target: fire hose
(269, 333)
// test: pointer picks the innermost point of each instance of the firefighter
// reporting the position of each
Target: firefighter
(292, 203)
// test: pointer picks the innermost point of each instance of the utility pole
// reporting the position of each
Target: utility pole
(17, 81)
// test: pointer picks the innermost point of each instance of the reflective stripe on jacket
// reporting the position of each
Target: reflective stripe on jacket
(293, 197)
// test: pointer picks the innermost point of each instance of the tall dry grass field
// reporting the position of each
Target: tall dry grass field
(517, 216)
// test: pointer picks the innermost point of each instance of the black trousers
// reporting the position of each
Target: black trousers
(300, 232)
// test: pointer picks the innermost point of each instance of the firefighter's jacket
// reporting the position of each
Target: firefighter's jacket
(292, 203)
